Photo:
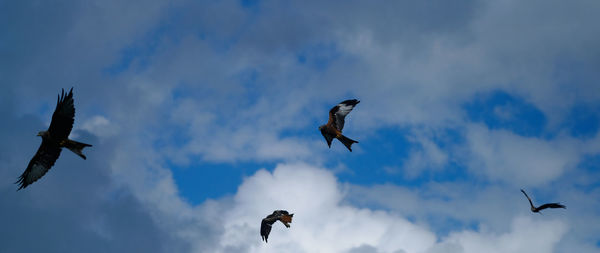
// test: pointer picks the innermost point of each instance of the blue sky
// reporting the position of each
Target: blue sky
(204, 117)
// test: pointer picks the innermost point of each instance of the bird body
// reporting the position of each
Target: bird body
(53, 140)
(335, 124)
(267, 223)
(542, 207)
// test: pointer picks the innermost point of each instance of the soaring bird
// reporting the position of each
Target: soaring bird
(542, 207)
(53, 140)
(267, 223)
(333, 128)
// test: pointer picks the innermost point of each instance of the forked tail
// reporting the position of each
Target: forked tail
(76, 147)
(347, 141)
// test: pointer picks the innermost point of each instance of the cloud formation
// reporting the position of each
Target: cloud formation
(160, 85)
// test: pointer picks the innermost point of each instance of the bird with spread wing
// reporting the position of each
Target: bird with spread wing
(333, 128)
(267, 223)
(542, 207)
(53, 140)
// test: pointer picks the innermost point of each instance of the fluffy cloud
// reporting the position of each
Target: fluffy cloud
(526, 235)
(321, 222)
(324, 223)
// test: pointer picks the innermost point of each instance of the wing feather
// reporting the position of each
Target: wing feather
(530, 203)
(265, 229)
(331, 120)
(63, 117)
(551, 205)
(41, 162)
(340, 111)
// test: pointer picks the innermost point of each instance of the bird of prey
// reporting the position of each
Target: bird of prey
(544, 206)
(267, 223)
(53, 140)
(333, 128)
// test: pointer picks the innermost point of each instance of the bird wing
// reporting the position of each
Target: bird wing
(63, 117)
(265, 228)
(328, 137)
(551, 205)
(531, 203)
(41, 162)
(338, 113)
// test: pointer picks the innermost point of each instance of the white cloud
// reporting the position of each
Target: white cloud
(322, 223)
(100, 126)
(426, 155)
(522, 161)
(526, 235)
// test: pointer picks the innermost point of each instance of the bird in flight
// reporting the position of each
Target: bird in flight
(53, 140)
(267, 223)
(333, 128)
(542, 207)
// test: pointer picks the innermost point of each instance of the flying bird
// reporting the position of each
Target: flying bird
(542, 207)
(53, 140)
(333, 128)
(267, 223)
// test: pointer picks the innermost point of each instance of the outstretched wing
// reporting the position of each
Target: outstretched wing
(265, 229)
(63, 117)
(338, 113)
(531, 203)
(41, 162)
(551, 205)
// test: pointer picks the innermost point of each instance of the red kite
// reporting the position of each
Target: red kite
(333, 128)
(544, 206)
(267, 223)
(53, 140)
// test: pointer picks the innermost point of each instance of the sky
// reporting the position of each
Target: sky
(204, 115)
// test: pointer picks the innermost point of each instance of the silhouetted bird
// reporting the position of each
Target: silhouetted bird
(267, 223)
(53, 140)
(333, 128)
(542, 207)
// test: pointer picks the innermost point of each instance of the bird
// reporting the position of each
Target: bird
(333, 128)
(267, 223)
(544, 206)
(53, 140)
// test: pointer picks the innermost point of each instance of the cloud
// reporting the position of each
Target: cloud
(323, 223)
(320, 219)
(502, 155)
(425, 155)
(526, 235)
(75, 206)
(160, 83)
(100, 126)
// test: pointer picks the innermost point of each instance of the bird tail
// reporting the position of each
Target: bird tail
(76, 147)
(347, 141)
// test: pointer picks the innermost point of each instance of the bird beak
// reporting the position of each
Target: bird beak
(38, 134)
